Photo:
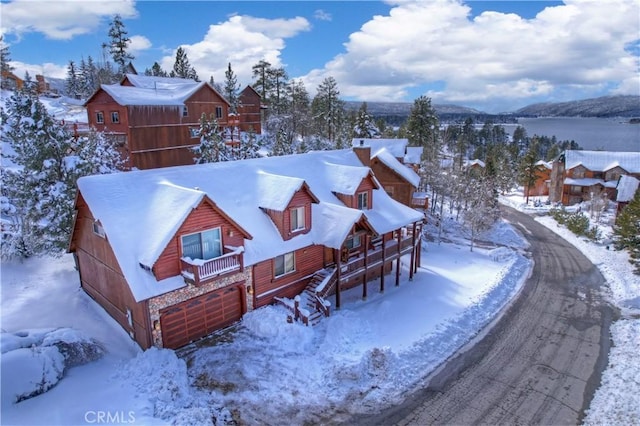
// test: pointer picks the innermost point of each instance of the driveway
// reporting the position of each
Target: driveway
(542, 360)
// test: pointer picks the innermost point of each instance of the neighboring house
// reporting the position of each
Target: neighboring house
(626, 190)
(156, 120)
(250, 111)
(175, 253)
(541, 184)
(397, 147)
(576, 175)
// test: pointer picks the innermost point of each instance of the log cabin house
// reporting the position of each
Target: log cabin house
(173, 254)
(576, 175)
(156, 120)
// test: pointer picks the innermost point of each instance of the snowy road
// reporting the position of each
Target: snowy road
(541, 362)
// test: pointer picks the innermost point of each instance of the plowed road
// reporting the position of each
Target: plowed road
(539, 364)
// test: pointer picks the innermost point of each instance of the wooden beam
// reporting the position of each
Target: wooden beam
(366, 266)
(413, 252)
(384, 258)
(338, 276)
(399, 239)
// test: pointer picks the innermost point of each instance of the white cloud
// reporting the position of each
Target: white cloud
(576, 46)
(138, 44)
(47, 69)
(242, 41)
(322, 15)
(60, 19)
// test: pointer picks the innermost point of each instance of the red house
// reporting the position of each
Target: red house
(541, 184)
(176, 253)
(156, 120)
(577, 174)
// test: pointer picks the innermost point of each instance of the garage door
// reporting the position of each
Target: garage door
(202, 315)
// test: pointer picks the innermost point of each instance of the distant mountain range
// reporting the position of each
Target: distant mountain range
(606, 106)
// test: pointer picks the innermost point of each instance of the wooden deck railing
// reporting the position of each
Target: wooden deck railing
(198, 270)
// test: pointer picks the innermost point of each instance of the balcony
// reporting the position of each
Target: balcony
(197, 271)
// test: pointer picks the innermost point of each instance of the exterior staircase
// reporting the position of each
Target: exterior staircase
(311, 306)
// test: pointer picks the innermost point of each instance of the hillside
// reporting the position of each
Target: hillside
(606, 106)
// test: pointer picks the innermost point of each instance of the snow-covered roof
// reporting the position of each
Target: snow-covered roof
(140, 211)
(476, 162)
(171, 95)
(601, 161)
(590, 182)
(545, 164)
(155, 82)
(392, 162)
(397, 147)
(627, 188)
(413, 155)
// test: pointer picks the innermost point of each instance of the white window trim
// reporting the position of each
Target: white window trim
(296, 211)
(98, 230)
(117, 115)
(366, 195)
(284, 256)
(200, 232)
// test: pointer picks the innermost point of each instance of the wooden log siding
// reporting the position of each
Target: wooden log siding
(308, 261)
(399, 189)
(366, 184)
(282, 219)
(203, 217)
(102, 279)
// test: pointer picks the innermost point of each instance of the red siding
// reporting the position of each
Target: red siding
(299, 199)
(266, 286)
(203, 217)
(102, 278)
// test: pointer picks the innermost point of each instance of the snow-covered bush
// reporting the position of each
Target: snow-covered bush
(33, 361)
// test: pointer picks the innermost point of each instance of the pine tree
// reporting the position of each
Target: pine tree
(72, 84)
(263, 84)
(182, 68)
(40, 189)
(365, 126)
(212, 148)
(231, 89)
(482, 207)
(118, 43)
(422, 127)
(627, 231)
(527, 170)
(249, 146)
(5, 66)
(156, 70)
(328, 110)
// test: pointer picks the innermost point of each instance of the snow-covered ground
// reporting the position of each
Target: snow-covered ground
(265, 370)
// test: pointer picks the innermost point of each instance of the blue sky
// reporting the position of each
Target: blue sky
(492, 55)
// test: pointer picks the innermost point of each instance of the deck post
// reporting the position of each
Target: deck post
(413, 252)
(384, 258)
(398, 259)
(366, 266)
(338, 276)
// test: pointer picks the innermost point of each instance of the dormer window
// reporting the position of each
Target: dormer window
(363, 200)
(297, 219)
(203, 245)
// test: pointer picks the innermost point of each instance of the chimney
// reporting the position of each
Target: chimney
(364, 153)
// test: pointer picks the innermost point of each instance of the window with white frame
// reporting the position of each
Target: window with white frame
(363, 200)
(115, 117)
(284, 264)
(297, 219)
(98, 229)
(202, 245)
(100, 117)
(218, 112)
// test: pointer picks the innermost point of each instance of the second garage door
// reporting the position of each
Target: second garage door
(202, 315)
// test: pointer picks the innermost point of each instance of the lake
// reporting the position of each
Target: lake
(609, 134)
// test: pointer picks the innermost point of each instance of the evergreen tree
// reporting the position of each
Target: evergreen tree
(263, 84)
(249, 146)
(277, 96)
(212, 148)
(300, 109)
(231, 89)
(527, 169)
(156, 71)
(365, 126)
(328, 110)
(40, 190)
(422, 128)
(72, 84)
(627, 231)
(182, 68)
(118, 43)
(5, 59)
(482, 207)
